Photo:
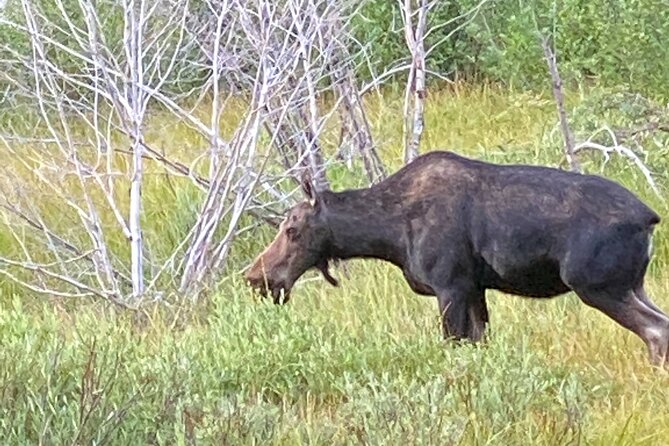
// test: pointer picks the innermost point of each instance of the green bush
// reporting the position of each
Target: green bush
(379, 26)
(618, 43)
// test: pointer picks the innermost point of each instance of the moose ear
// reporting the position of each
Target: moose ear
(309, 189)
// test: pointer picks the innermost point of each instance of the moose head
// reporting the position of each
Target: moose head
(302, 243)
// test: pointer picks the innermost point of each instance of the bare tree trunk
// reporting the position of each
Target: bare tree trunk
(133, 35)
(354, 124)
(220, 12)
(136, 242)
(414, 99)
(306, 35)
(559, 102)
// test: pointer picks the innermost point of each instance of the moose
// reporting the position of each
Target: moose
(457, 227)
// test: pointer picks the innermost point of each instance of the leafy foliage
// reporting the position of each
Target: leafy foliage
(617, 43)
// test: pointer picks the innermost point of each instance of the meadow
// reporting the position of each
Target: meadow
(360, 364)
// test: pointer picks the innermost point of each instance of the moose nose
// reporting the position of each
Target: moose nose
(255, 277)
(252, 277)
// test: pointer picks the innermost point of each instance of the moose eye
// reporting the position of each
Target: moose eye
(291, 233)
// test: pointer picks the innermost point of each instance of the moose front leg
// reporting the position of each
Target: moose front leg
(450, 274)
(464, 313)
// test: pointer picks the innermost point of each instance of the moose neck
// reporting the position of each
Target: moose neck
(362, 226)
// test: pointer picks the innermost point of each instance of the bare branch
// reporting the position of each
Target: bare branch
(559, 101)
(621, 150)
(89, 149)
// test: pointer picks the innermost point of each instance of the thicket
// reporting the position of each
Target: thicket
(614, 43)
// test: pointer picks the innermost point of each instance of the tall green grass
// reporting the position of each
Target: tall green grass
(362, 363)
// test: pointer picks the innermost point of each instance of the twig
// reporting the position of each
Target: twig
(559, 101)
(621, 150)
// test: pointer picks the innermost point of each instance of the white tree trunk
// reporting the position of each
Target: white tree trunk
(133, 35)
(414, 99)
(136, 244)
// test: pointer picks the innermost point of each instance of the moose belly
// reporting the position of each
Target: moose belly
(539, 279)
(417, 286)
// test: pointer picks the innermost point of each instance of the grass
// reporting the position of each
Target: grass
(362, 363)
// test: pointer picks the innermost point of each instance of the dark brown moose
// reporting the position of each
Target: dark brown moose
(457, 227)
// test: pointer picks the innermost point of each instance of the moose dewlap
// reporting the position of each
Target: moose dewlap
(457, 227)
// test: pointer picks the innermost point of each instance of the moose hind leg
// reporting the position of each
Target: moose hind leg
(629, 311)
(641, 294)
